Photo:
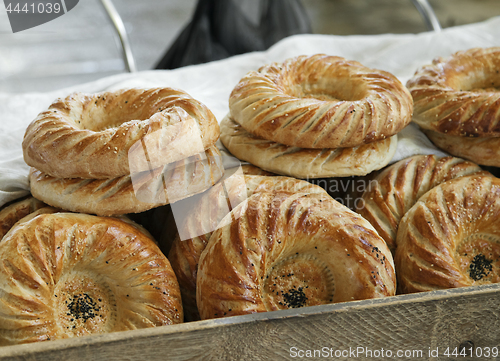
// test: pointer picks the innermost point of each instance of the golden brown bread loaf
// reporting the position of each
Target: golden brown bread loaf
(396, 189)
(12, 213)
(65, 275)
(321, 101)
(250, 169)
(450, 237)
(131, 194)
(481, 150)
(302, 162)
(286, 250)
(207, 214)
(30, 216)
(103, 135)
(161, 221)
(459, 96)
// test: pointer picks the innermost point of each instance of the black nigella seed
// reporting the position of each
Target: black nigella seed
(295, 298)
(82, 306)
(480, 267)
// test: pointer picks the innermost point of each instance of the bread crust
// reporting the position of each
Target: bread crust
(284, 250)
(459, 95)
(207, 214)
(103, 135)
(65, 275)
(14, 212)
(450, 237)
(250, 169)
(305, 163)
(396, 189)
(321, 101)
(130, 194)
(482, 150)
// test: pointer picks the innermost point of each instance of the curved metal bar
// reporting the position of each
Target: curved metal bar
(430, 18)
(115, 18)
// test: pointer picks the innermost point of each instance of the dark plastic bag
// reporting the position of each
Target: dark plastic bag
(220, 29)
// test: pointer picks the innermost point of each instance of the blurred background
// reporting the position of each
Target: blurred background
(82, 45)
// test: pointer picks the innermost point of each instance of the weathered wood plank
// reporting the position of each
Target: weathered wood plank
(418, 322)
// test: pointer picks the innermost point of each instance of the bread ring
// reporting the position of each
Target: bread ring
(460, 95)
(450, 237)
(29, 208)
(285, 250)
(43, 210)
(98, 136)
(207, 214)
(320, 102)
(12, 213)
(250, 169)
(162, 222)
(131, 194)
(485, 151)
(396, 189)
(64, 275)
(305, 163)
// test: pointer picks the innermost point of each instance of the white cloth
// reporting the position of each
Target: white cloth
(212, 83)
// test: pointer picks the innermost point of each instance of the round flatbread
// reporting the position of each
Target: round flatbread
(305, 163)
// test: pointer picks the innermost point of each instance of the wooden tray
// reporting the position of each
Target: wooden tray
(421, 326)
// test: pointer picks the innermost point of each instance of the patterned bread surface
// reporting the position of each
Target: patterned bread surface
(207, 214)
(131, 194)
(287, 250)
(450, 237)
(396, 189)
(481, 150)
(321, 101)
(103, 135)
(460, 95)
(250, 169)
(305, 163)
(12, 213)
(64, 275)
